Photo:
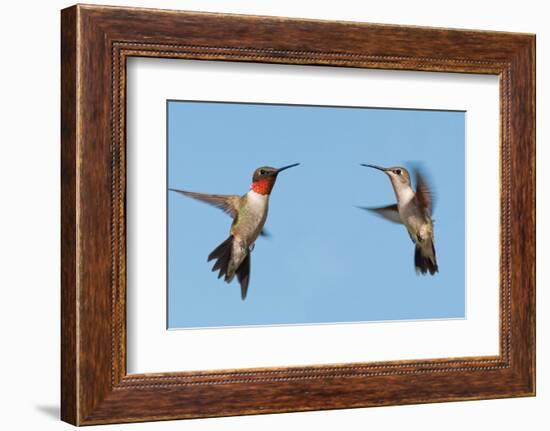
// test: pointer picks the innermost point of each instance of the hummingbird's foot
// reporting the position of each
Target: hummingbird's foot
(251, 247)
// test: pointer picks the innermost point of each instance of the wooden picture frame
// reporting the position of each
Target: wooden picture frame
(95, 43)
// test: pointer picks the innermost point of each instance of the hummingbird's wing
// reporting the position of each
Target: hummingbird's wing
(227, 203)
(389, 212)
(243, 275)
(424, 194)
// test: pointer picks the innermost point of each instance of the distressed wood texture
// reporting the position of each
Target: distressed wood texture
(96, 41)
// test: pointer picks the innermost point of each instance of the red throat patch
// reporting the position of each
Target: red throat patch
(263, 186)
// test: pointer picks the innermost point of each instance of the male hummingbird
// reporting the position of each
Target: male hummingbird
(249, 213)
(414, 210)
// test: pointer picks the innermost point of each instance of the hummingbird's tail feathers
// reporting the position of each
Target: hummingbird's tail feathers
(243, 275)
(222, 254)
(424, 259)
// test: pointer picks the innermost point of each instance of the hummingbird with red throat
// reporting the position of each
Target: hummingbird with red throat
(414, 210)
(249, 214)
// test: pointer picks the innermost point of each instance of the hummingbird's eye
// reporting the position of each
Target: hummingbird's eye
(398, 171)
(262, 172)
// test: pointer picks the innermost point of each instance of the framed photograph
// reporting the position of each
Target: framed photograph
(265, 215)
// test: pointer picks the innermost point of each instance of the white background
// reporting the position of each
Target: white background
(29, 216)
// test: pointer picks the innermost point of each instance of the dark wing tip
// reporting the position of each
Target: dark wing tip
(177, 190)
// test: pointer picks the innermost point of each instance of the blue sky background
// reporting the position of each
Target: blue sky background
(326, 261)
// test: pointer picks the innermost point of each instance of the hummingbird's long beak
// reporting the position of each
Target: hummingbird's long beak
(380, 168)
(286, 167)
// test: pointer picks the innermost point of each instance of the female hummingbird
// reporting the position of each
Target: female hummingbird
(249, 213)
(414, 210)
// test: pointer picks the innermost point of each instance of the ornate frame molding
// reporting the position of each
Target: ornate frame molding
(96, 41)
